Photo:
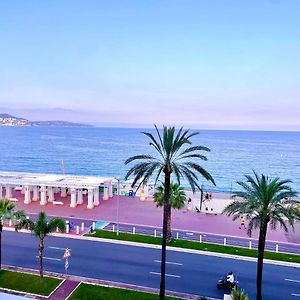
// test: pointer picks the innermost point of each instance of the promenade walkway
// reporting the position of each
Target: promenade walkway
(134, 211)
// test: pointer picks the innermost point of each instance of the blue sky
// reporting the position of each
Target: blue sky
(205, 64)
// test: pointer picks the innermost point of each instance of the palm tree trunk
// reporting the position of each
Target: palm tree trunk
(260, 260)
(164, 238)
(1, 228)
(41, 250)
(169, 229)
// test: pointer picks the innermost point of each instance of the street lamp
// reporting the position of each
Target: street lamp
(201, 198)
(118, 202)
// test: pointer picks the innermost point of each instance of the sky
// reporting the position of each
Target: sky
(216, 64)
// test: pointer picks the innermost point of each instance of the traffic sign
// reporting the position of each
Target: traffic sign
(67, 253)
(66, 264)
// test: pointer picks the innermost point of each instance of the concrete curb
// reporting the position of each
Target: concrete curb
(20, 293)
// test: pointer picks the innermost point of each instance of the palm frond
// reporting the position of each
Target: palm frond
(25, 224)
(199, 156)
(265, 200)
(139, 157)
(154, 143)
(194, 149)
(168, 144)
(56, 223)
(201, 171)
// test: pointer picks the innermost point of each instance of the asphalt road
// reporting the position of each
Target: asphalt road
(189, 273)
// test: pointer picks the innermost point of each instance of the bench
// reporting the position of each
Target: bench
(13, 199)
(57, 202)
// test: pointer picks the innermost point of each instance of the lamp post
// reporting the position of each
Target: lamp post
(118, 202)
(201, 198)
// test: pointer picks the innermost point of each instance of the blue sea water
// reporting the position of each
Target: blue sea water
(102, 151)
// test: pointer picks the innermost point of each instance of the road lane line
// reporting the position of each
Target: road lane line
(57, 248)
(50, 258)
(296, 295)
(292, 280)
(169, 262)
(168, 275)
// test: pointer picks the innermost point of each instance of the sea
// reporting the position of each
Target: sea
(102, 152)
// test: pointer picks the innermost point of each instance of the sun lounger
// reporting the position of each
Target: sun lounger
(58, 203)
(13, 199)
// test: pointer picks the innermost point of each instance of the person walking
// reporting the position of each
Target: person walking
(242, 223)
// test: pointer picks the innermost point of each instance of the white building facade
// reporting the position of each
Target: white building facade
(44, 188)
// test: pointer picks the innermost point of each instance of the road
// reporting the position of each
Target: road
(188, 273)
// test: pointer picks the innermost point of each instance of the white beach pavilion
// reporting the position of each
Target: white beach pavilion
(42, 187)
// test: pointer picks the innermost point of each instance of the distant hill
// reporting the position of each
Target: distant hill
(7, 116)
(9, 120)
(59, 124)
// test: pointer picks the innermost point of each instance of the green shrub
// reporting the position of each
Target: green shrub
(238, 294)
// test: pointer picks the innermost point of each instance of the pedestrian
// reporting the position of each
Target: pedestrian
(71, 226)
(242, 223)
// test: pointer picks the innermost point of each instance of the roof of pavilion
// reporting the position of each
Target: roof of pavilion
(55, 180)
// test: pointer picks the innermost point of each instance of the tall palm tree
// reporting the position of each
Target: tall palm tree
(176, 156)
(264, 201)
(41, 228)
(177, 201)
(7, 212)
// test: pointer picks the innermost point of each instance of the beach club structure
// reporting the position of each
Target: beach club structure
(45, 188)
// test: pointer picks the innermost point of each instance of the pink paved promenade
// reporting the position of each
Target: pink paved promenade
(134, 211)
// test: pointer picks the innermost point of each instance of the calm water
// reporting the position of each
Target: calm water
(102, 151)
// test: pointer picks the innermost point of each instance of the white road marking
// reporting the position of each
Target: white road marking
(169, 262)
(292, 280)
(168, 275)
(50, 258)
(296, 295)
(57, 248)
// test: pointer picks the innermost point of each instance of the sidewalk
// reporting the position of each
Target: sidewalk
(64, 290)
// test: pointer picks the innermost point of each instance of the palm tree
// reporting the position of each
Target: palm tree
(7, 212)
(177, 201)
(264, 201)
(176, 156)
(41, 228)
